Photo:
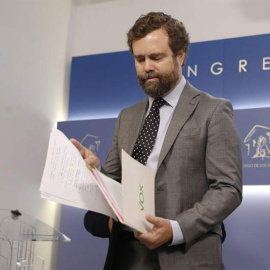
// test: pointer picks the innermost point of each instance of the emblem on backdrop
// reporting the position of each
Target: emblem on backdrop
(91, 142)
(257, 142)
(254, 129)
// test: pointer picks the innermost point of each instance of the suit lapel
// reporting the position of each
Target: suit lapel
(186, 105)
(135, 124)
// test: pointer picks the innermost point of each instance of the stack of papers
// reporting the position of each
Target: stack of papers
(67, 180)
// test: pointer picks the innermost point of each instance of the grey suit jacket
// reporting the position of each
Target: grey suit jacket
(198, 180)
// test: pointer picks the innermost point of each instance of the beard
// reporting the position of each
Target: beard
(165, 83)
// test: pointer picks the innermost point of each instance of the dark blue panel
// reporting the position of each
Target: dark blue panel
(250, 89)
(245, 89)
(85, 251)
(200, 58)
(254, 130)
(101, 85)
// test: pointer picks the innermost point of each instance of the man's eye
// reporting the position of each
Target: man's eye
(140, 60)
(157, 58)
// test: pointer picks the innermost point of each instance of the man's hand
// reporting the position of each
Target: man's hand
(160, 234)
(89, 157)
(110, 225)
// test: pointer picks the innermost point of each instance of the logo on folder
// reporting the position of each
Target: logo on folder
(257, 142)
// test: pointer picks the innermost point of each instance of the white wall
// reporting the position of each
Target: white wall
(101, 26)
(34, 84)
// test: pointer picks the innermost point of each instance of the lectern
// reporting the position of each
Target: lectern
(18, 234)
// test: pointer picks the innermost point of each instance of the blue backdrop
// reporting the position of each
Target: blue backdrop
(101, 85)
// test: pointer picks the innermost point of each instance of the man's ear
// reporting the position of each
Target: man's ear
(181, 58)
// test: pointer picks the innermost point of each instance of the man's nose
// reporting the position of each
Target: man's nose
(148, 65)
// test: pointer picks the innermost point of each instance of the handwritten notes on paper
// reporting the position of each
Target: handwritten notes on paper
(67, 180)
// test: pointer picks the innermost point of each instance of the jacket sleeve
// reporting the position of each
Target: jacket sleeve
(223, 165)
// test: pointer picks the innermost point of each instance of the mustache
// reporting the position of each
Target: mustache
(149, 75)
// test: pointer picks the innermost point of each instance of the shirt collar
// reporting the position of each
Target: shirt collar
(173, 97)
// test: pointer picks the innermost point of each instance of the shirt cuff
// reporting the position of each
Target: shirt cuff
(178, 237)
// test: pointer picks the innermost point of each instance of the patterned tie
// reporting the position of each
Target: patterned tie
(148, 135)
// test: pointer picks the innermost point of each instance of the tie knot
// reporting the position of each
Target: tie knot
(158, 102)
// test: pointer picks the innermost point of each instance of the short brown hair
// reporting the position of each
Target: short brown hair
(176, 31)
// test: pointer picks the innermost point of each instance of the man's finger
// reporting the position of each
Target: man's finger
(91, 160)
(77, 144)
(89, 157)
(136, 234)
(154, 220)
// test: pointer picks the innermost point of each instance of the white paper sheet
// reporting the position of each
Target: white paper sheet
(67, 180)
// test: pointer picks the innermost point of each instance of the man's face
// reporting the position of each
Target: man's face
(158, 70)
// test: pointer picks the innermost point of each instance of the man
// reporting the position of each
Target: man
(196, 153)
